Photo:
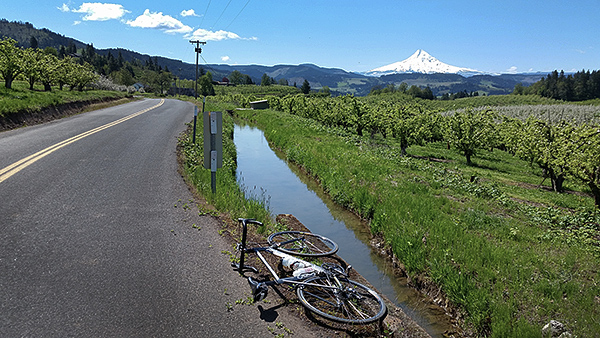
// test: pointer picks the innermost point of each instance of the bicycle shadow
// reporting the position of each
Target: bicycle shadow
(270, 314)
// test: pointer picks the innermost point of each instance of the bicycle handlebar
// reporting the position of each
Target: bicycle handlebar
(244, 221)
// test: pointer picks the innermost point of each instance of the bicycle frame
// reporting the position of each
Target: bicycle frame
(325, 290)
(277, 280)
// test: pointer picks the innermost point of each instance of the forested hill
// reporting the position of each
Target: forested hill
(23, 32)
(339, 81)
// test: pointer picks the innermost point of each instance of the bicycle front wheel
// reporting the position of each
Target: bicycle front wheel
(301, 243)
(349, 302)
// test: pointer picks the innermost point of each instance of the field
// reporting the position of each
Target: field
(506, 251)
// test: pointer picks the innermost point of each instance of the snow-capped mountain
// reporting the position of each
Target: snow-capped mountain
(421, 62)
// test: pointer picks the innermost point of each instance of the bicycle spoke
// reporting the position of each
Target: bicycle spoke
(321, 298)
(362, 315)
(351, 302)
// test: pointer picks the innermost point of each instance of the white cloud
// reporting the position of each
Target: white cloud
(159, 21)
(95, 11)
(64, 8)
(225, 58)
(206, 35)
(189, 12)
(512, 70)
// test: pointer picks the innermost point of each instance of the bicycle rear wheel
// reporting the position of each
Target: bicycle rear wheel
(350, 302)
(301, 243)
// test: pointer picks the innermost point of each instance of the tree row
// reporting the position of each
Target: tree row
(561, 150)
(35, 65)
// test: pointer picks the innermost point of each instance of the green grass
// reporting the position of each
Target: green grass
(510, 256)
(20, 98)
(229, 198)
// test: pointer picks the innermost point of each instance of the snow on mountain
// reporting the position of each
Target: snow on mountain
(421, 62)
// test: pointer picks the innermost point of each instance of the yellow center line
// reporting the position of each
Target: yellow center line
(14, 168)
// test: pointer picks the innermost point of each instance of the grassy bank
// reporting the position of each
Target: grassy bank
(510, 256)
(229, 198)
(20, 98)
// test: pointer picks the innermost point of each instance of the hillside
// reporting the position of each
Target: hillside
(454, 83)
(22, 32)
(338, 80)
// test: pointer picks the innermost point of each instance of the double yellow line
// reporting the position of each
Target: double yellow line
(14, 168)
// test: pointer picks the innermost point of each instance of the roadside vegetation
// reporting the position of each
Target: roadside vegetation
(229, 197)
(20, 98)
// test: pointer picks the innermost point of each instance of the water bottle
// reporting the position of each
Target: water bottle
(293, 263)
(304, 271)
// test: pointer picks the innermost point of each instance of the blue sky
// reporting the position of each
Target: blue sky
(493, 36)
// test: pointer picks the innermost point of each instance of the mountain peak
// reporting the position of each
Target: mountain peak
(420, 62)
(420, 54)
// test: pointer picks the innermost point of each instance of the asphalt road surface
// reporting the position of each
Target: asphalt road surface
(96, 241)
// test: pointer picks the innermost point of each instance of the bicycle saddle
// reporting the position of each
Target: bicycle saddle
(259, 290)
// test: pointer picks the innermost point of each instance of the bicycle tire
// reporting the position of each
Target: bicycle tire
(301, 243)
(355, 304)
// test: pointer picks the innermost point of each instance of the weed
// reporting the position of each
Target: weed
(232, 257)
(202, 211)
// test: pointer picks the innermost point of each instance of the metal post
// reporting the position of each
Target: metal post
(213, 153)
(213, 145)
(195, 118)
(196, 114)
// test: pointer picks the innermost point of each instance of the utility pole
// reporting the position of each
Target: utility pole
(198, 51)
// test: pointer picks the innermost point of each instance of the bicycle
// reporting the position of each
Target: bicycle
(323, 289)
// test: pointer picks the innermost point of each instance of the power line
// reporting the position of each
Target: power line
(222, 14)
(238, 14)
(208, 65)
(205, 61)
(204, 16)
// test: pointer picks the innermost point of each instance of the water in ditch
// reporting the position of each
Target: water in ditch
(266, 174)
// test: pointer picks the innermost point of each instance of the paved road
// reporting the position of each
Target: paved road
(91, 243)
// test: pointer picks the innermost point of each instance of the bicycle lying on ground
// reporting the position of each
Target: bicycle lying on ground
(323, 289)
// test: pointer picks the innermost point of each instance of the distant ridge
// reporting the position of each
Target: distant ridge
(340, 82)
(421, 62)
